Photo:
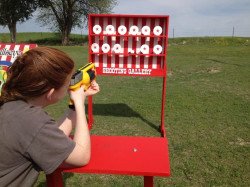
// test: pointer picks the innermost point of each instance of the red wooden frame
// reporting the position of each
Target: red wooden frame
(124, 63)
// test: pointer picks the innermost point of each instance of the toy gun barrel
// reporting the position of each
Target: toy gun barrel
(91, 74)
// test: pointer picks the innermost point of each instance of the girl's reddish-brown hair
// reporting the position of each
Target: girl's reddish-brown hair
(35, 73)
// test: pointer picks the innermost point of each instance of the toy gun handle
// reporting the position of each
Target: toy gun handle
(71, 105)
(71, 102)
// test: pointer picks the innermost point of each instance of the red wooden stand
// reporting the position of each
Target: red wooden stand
(123, 155)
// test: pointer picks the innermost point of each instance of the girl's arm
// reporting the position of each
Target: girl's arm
(81, 153)
(77, 119)
(67, 122)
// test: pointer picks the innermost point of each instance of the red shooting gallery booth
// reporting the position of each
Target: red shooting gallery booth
(126, 45)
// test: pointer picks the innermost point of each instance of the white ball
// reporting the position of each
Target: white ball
(95, 47)
(105, 48)
(157, 30)
(110, 29)
(133, 30)
(122, 30)
(97, 29)
(157, 49)
(145, 30)
(145, 49)
(117, 48)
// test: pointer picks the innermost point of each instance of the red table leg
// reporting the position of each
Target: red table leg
(148, 181)
(54, 179)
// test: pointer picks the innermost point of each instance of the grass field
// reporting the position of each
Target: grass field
(43, 38)
(207, 113)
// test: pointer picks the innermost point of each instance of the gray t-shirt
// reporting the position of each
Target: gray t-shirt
(30, 141)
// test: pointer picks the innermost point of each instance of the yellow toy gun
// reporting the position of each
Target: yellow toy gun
(83, 76)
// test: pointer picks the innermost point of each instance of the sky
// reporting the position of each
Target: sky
(187, 17)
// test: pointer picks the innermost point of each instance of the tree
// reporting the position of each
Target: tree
(64, 15)
(12, 11)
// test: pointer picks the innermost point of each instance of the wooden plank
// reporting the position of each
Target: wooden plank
(144, 156)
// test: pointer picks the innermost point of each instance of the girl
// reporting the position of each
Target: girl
(30, 139)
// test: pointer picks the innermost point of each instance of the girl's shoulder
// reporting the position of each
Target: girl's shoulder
(23, 114)
(21, 122)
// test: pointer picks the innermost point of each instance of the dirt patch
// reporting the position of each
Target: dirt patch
(170, 73)
(240, 142)
(213, 70)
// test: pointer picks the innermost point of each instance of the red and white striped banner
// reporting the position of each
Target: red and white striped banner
(9, 52)
(131, 60)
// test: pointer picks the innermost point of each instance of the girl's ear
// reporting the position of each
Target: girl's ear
(50, 93)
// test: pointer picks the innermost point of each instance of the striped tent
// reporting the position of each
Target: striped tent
(9, 52)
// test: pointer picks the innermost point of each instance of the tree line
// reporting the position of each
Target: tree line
(58, 15)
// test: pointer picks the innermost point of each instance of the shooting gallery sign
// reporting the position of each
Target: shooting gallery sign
(129, 71)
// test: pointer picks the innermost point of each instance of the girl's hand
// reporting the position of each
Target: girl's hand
(78, 96)
(93, 89)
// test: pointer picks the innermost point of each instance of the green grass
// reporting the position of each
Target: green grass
(43, 38)
(47, 38)
(207, 113)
